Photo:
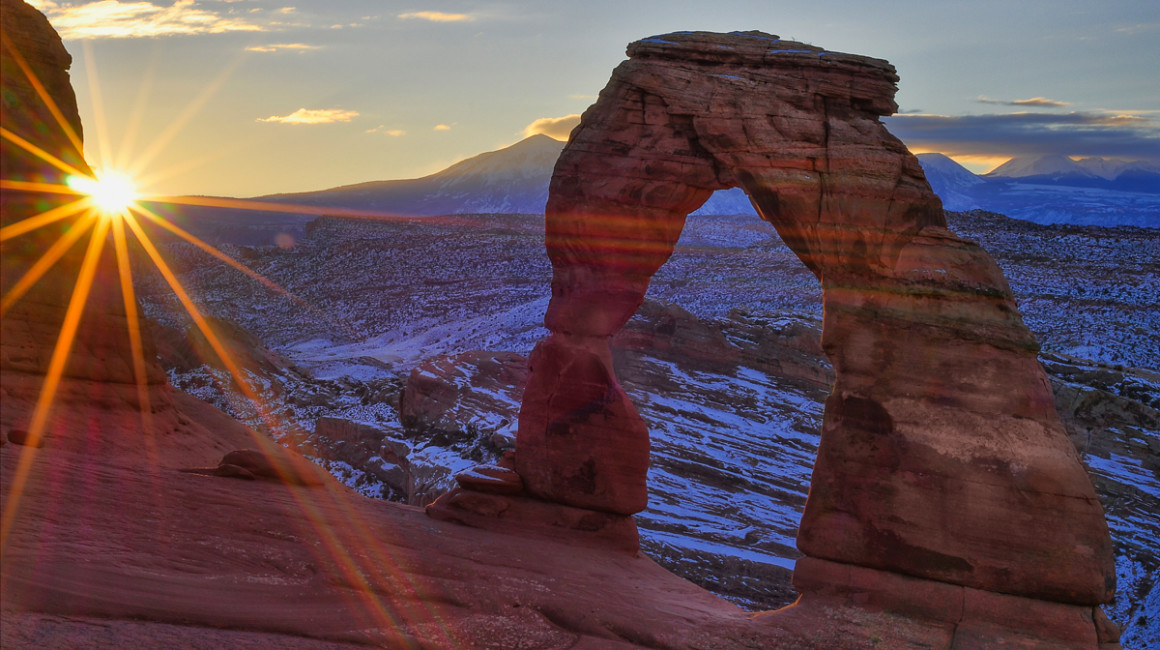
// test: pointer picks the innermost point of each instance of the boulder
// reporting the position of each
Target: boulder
(22, 437)
(451, 394)
(273, 463)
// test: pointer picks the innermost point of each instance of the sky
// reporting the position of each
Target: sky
(251, 97)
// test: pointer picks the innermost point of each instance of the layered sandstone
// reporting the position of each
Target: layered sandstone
(44, 147)
(942, 457)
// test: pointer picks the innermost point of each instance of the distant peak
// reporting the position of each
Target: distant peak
(1041, 165)
(537, 140)
(934, 155)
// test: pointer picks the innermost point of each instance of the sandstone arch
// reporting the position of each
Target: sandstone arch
(941, 455)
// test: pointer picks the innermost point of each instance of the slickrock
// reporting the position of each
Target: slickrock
(493, 479)
(942, 456)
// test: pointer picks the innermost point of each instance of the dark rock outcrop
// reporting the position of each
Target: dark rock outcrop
(942, 457)
(466, 395)
(370, 450)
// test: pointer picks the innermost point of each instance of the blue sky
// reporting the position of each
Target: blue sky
(247, 97)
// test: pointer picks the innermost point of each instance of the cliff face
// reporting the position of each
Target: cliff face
(942, 457)
(39, 103)
(43, 147)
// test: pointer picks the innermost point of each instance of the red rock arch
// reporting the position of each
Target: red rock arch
(941, 454)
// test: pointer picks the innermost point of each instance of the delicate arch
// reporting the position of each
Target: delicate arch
(941, 454)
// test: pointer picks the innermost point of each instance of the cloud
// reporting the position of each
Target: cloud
(312, 116)
(436, 17)
(553, 127)
(442, 127)
(275, 47)
(1035, 102)
(1139, 28)
(394, 133)
(1078, 133)
(138, 19)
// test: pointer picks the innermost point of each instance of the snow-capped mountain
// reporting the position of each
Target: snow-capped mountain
(953, 183)
(730, 201)
(1065, 168)
(1052, 189)
(1051, 165)
(512, 180)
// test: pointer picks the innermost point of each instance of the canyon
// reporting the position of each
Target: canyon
(121, 526)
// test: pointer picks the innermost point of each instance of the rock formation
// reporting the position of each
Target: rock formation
(471, 390)
(40, 110)
(121, 401)
(942, 457)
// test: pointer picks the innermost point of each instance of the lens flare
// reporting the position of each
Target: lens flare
(95, 209)
(111, 192)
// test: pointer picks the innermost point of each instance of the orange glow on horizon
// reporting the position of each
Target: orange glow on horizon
(976, 163)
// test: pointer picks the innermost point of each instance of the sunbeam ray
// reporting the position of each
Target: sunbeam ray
(44, 218)
(99, 121)
(271, 206)
(133, 324)
(176, 230)
(46, 262)
(56, 367)
(194, 313)
(327, 537)
(66, 128)
(159, 142)
(129, 140)
(37, 186)
(40, 153)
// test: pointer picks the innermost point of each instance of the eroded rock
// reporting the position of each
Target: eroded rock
(942, 456)
(478, 390)
(40, 111)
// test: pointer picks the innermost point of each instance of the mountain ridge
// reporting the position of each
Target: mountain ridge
(1109, 169)
(1051, 190)
(515, 180)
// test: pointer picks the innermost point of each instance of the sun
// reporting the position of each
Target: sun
(112, 193)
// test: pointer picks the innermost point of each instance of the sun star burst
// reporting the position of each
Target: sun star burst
(111, 192)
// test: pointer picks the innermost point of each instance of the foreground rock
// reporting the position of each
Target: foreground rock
(160, 557)
(942, 457)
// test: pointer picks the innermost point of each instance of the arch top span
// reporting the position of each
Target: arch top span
(941, 454)
(794, 125)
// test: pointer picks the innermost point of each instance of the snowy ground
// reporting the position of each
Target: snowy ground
(732, 449)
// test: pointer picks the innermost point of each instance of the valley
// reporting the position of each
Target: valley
(722, 361)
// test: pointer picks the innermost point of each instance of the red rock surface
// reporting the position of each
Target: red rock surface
(107, 541)
(33, 56)
(942, 456)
